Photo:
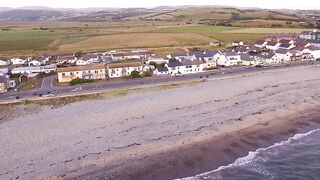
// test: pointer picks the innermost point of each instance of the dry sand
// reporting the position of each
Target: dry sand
(116, 138)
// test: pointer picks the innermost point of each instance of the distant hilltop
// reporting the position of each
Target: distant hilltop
(210, 15)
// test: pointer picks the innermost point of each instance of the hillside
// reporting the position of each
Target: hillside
(29, 15)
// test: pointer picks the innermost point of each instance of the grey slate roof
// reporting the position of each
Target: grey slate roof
(246, 57)
(174, 64)
(285, 45)
(162, 69)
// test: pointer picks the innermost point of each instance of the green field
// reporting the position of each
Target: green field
(197, 29)
(26, 41)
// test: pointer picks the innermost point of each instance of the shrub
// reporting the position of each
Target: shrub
(147, 74)
(135, 74)
(80, 81)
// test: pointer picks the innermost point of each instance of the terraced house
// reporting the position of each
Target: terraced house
(66, 74)
(123, 69)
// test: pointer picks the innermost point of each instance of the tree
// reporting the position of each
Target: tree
(135, 74)
(78, 54)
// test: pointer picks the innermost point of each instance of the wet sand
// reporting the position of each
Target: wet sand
(210, 154)
(160, 134)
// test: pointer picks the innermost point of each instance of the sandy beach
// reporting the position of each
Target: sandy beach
(159, 133)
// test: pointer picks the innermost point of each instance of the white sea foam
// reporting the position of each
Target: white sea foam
(249, 161)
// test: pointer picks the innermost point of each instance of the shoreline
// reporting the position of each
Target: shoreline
(212, 153)
(158, 134)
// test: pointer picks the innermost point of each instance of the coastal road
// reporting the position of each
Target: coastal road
(47, 87)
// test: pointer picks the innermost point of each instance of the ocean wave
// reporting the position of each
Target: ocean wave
(252, 160)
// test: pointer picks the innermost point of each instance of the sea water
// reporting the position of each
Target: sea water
(297, 158)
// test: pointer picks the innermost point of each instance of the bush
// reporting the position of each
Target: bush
(135, 74)
(147, 74)
(80, 81)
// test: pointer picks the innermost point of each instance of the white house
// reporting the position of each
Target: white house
(175, 67)
(229, 58)
(248, 60)
(287, 55)
(123, 69)
(4, 63)
(192, 66)
(268, 58)
(18, 61)
(272, 45)
(209, 57)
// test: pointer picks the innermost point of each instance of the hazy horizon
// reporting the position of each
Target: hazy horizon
(272, 4)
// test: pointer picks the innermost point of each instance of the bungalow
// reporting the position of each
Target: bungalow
(131, 55)
(157, 60)
(105, 59)
(43, 59)
(161, 71)
(18, 61)
(34, 63)
(229, 58)
(123, 69)
(91, 58)
(248, 60)
(81, 62)
(260, 44)
(237, 43)
(179, 56)
(4, 63)
(66, 74)
(272, 45)
(37, 69)
(268, 58)
(66, 58)
(216, 43)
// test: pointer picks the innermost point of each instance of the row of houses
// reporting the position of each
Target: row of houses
(99, 71)
(77, 59)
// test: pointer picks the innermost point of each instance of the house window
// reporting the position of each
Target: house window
(63, 74)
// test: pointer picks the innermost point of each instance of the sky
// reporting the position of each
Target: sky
(272, 4)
